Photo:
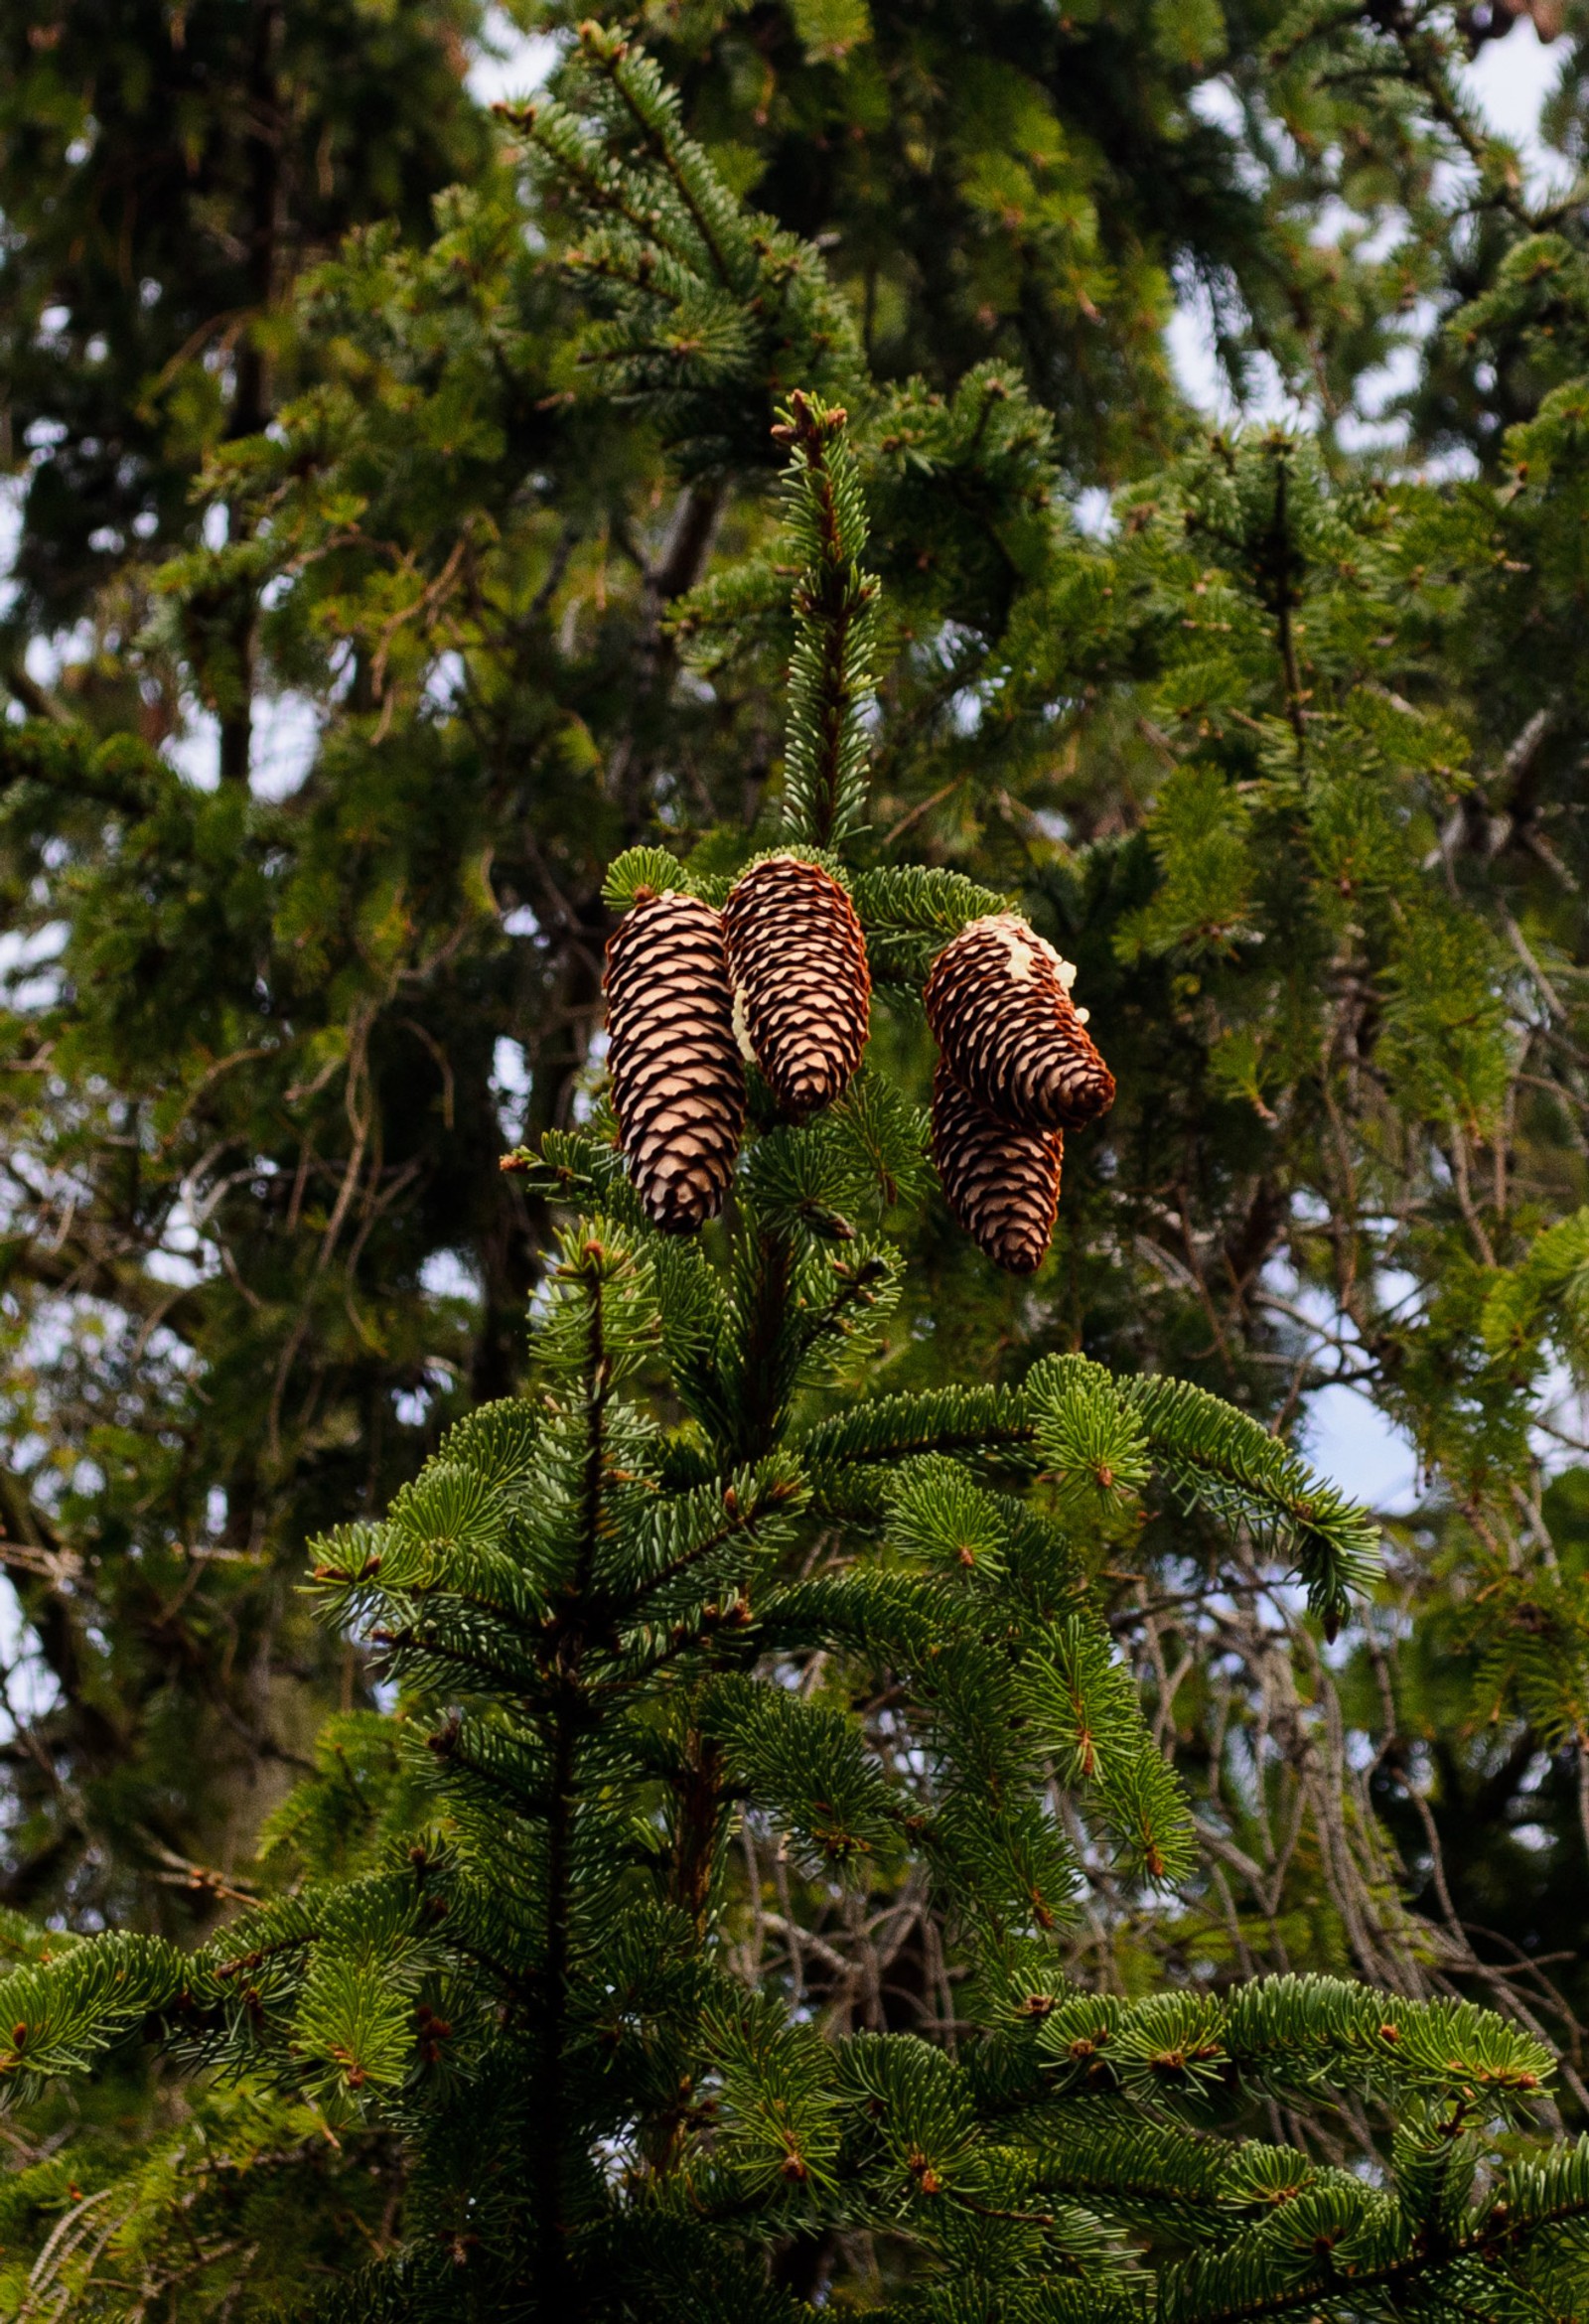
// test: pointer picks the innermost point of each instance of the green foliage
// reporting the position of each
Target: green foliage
(831, 674)
(862, 1636)
(1286, 755)
(910, 912)
(713, 305)
(1210, 1452)
(1198, 832)
(62, 2013)
(160, 192)
(610, 1680)
(1545, 1290)
(1093, 1444)
(261, 2191)
(642, 867)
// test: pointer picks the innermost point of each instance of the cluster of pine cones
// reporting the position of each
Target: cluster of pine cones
(781, 974)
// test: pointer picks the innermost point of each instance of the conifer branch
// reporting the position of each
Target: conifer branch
(654, 110)
(909, 910)
(831, 675)
(890, 1429)
(747, 1508)
(1204, 1449)
(587, 1272)
(1210, 1451)
(1282, 567)
(120, 772)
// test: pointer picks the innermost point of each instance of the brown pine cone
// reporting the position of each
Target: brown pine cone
(999, 1003)
(678, 1086)
(1002, 1184)
(802, 986)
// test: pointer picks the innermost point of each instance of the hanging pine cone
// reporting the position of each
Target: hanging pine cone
(999, 1003)
(678, 1087)
(1002, 1184)
(798, 960)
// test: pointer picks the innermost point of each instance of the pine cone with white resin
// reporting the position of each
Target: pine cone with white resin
(797, 959)
(677, 1081)
(999, 1003)
(1002, 1184)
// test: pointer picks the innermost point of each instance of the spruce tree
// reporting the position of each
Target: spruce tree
(461, 573)
(701, 1642)
(1288, 763)
(483, 643)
